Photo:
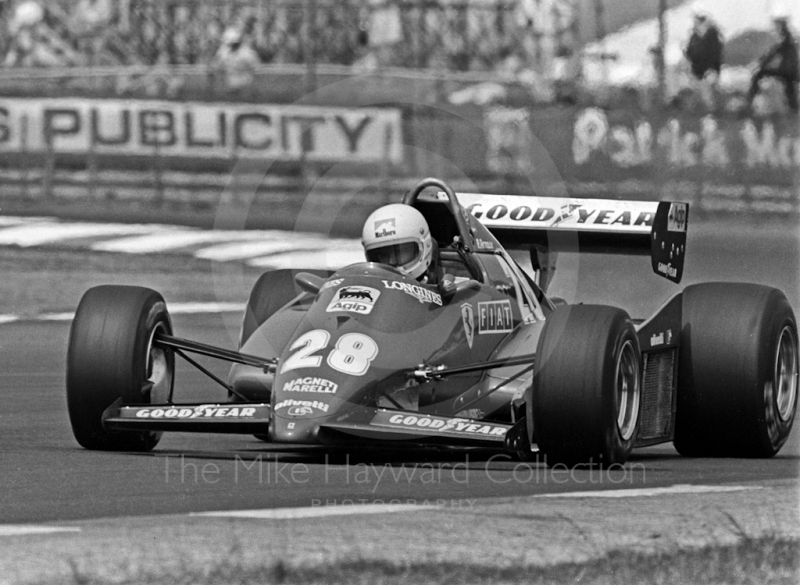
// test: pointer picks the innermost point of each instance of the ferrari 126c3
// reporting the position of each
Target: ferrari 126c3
(365, 355)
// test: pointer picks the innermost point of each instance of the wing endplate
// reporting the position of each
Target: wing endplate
(668, 240)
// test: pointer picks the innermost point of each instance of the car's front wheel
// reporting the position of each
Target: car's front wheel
(111, 355)
(587, 387)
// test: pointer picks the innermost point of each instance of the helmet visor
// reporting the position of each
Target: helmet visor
(395, 254)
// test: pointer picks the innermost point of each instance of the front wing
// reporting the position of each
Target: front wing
(229, 417)
(393, 425)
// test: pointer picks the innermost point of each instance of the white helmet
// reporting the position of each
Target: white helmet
(398, 235)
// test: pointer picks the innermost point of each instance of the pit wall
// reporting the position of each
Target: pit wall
(719, 164)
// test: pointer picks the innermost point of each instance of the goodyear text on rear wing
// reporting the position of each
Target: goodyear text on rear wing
(657, 229)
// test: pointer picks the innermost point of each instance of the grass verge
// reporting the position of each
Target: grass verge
(763, 560)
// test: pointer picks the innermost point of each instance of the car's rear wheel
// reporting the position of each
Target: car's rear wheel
(738, 371)
(111, 355)
(587, 387)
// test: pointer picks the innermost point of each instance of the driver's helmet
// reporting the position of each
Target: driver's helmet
(398, 235)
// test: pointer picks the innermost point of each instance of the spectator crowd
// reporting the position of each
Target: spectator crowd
(461, 35)
(526, 40)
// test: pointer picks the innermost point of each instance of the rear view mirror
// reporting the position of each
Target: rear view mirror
(309, 282)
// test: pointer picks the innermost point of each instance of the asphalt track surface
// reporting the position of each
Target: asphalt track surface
(47, 477)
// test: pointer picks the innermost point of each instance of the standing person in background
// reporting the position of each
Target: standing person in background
(90, 26)
(33, 43)
(780, 62)
(704, 53)
(237, 61)
(380, 30)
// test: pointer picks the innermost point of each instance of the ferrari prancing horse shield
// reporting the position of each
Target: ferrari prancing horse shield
(468, 318)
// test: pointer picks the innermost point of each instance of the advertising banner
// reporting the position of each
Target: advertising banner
(196, 129)
(719, 163)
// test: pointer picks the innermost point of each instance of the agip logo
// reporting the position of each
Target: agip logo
(676, 220)
(354, 299)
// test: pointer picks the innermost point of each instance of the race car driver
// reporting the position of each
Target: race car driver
(399, 236)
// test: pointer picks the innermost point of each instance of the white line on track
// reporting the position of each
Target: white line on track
(7, 220)
(320, 259)
(262, 248)
(649, 492)
(23, 529)
(158, 242)
(37, 234)
(251, 249)
(314, 512)
(190, 308)
(174, 309)
(55, 317)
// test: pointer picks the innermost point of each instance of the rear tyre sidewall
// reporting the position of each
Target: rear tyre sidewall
(110, 357)
(575, 404)
(728, 395)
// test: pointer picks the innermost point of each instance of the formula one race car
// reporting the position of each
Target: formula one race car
(484, 357)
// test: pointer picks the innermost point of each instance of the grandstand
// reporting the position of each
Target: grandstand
(457, 35)
(285, 48)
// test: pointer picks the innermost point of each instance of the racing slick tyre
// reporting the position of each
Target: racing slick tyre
(587, 387)
(111, 355)
(272, 290)
(737, 371)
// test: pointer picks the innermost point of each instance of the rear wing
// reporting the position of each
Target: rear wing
(657, 229)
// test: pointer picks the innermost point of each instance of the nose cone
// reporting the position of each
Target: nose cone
(301, 403)
(294, 430)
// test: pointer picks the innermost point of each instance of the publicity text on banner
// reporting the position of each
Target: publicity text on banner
(131, 127)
